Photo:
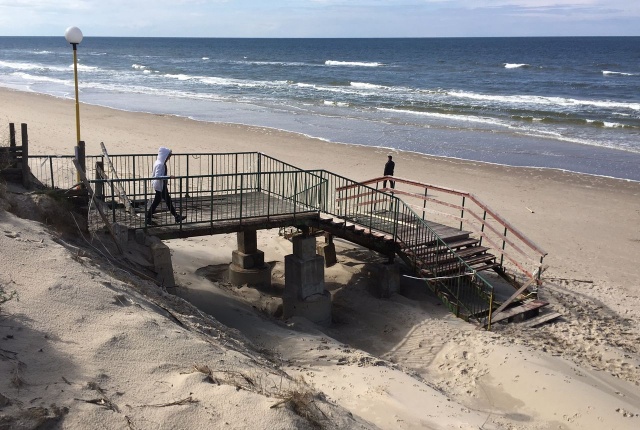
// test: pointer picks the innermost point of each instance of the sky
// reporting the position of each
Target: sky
(321, 18)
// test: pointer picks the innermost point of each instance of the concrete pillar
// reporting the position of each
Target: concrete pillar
(328, 250)
(304, 292)
(161, 256)
(247, 263)
(389, 279)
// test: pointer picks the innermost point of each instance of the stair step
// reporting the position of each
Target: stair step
(541, 319)
(531, 306)
(463, 243)
(435, 248)
(470, 258)
(485, 267)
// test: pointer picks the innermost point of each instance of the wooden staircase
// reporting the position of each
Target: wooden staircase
(433, 259)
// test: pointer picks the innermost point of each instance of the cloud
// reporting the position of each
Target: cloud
(321, 18)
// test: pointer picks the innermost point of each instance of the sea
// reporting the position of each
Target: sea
(568, 103)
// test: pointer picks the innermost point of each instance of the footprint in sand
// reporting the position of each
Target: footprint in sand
(12, 234)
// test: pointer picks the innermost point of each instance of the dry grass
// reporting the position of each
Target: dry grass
(293, 394)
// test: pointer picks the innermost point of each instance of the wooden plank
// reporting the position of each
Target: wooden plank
(541, 319)
(96, 202)
(514, 295)
(517, 310)
(121, 192)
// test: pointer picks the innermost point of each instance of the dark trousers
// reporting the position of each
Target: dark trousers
(392, 183)
(162, 195)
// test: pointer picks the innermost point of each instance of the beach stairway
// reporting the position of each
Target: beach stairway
(450, 239)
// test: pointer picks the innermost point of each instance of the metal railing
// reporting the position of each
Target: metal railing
(465, 292)
(518, 256)
(212, 188)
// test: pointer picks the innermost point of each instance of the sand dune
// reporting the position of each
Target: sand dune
(91, 345)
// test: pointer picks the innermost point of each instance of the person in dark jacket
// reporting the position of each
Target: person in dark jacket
(388, 171)
(159, 183)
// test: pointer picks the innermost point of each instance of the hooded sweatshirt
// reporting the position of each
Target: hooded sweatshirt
(160, 169)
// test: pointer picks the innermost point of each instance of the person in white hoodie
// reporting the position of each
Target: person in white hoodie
(159, 183)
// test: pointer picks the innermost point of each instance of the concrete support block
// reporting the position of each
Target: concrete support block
(121, 233)
(389, 279)
(247, 263)
(328, 251)
(304, 294)
(163, 266)
(256, 277)
(304, 247)
(316, 308)
(303, 278)
(248, 241)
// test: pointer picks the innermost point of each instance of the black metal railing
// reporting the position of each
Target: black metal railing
(213, 188)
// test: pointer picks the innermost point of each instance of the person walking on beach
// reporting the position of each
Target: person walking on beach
(388, 171)
(159, 183)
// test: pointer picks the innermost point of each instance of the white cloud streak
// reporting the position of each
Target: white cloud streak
(322, 18)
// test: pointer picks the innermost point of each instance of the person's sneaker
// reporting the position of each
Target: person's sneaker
(180, 218)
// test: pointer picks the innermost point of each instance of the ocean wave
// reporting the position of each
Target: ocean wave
(31, 66)
(86, 68)
(573, 121)
(138, 66)
(607, 124)
(352, 63)
(454, 117)
(274, 63)
(333, 103)
(516, 65)
(205, 58)
(610, 73)
(180, 76)
(36, 78)
(545, 100)
(368, 86)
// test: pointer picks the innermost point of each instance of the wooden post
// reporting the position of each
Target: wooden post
(12, 145)
(99, 192)
(12, 135)
(97, 202)
(80, 156)
(25, 156)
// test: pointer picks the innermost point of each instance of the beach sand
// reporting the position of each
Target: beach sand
(89, 345)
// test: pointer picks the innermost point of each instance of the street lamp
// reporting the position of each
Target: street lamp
(74, 37)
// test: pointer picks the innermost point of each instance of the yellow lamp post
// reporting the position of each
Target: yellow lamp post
(74, 37)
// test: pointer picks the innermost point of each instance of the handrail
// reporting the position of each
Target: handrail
(251, 176)
(462, 289)
(490, 222)
(473, 197)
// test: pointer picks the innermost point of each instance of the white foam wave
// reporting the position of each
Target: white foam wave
(85, 68)
(546, 101)
(352, 63)
(35, 78)
(606, 124)
(42, 52)
(30, 66)
(332, 103)
(368, 86)
(138, 66)
(205, 58)
(465, 118)
(515, 65)
(274, 63)
(180, 77)
(609, 73)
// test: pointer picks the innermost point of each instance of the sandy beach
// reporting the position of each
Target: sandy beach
(90, 345)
